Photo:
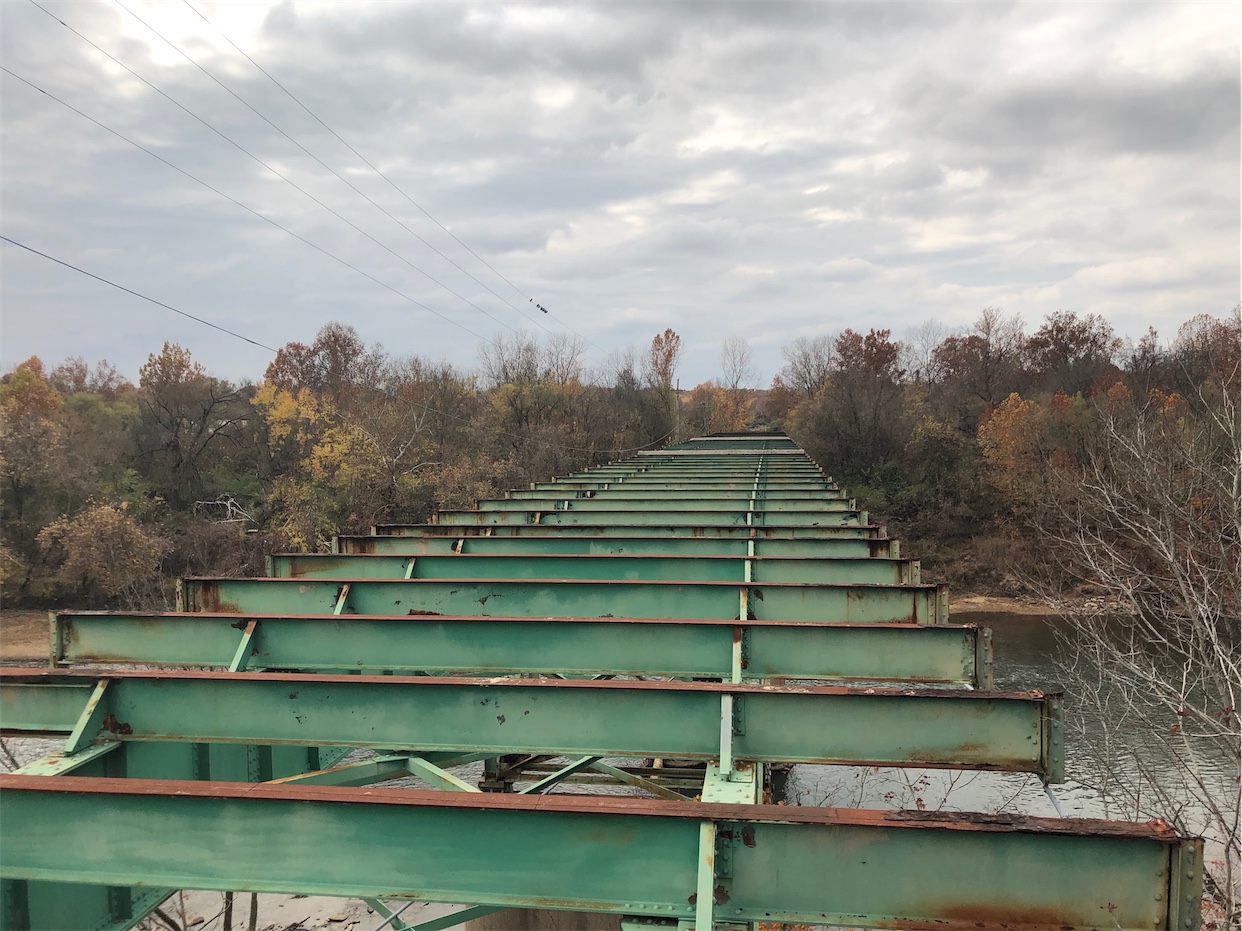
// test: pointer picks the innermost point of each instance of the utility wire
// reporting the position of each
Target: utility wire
(323, 164)
(121, 287)
(393, 185)
(251, 210)
(278, 174)
(246, 339)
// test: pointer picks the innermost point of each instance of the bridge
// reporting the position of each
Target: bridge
(683, 624)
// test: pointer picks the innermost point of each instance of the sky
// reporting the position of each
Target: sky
(764, 171)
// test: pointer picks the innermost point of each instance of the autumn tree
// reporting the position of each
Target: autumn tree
(1070, 352)
(659, 369)
(32, 446)
(715, 409)
(185, 417)
(737, 363)
(660, 364)
(855, 421)
(1139, 505)
(808, 364)
(104, 555)
(975, 371)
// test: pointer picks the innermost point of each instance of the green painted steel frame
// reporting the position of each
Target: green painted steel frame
(653, 506)
(854, 547)
(726, 865)
(563, 646)
(861, 604)
(865, 570)
(628, 856)
(1009, 731)
(743, 532)
(643, 517)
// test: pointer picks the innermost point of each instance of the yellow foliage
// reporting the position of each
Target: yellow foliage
(105, 548)
(1010, 443)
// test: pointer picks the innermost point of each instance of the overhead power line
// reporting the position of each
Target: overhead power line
(250, 210)
(274, 171)
(322, 163)
(121, 287)
(253, 342)
(392, 184)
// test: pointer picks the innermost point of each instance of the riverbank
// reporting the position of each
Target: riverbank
(997, 604)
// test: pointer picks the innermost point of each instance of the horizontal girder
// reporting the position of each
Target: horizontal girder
(628, 856)
(860, 571)
(739, 515)
(743, 532)
(606, 501)
(563, 646)
(1010, 731)
(859, 604)
(561, 544)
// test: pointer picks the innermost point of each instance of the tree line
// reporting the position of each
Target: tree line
(111, 489)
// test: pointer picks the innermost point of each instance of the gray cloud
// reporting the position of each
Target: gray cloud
(767, 170)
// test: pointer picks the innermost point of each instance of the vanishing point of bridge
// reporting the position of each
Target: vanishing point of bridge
(685, 623)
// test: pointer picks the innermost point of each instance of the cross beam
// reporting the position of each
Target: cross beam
(685, 517)
(863, 570)
(565, 646)
(629, 856)
(1009, 731)
(861, 531)
(862, 604)
(559, 544)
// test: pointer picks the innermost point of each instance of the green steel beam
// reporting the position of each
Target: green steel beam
(759, 569)
(685, 519)
(861, 531)
(857, 604)
(686, 498)
(564, 646)
(609, 502)
(811, 509)
(629, 856)
(59, 906)
(699, 489)
(1010, 732)
(563, 545)
(567, 646)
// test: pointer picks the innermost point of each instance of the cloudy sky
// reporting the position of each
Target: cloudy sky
(766, 171)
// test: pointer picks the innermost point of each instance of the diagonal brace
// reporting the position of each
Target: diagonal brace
(638, 781)
(438, 777)
(90, 722)
(238, 662)
(552, 779)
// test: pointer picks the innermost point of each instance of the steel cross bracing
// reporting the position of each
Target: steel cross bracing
(730, 559)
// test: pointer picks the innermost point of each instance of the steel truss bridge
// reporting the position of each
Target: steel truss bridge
(658, 609)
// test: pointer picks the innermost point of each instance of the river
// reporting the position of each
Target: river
(1025, 650)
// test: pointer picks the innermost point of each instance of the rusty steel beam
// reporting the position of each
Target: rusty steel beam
(621, 855)
(577, 647)
(860, 604)
(1006, 731)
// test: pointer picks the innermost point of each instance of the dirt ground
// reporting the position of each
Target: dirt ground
(23, 635)
(962, 604)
